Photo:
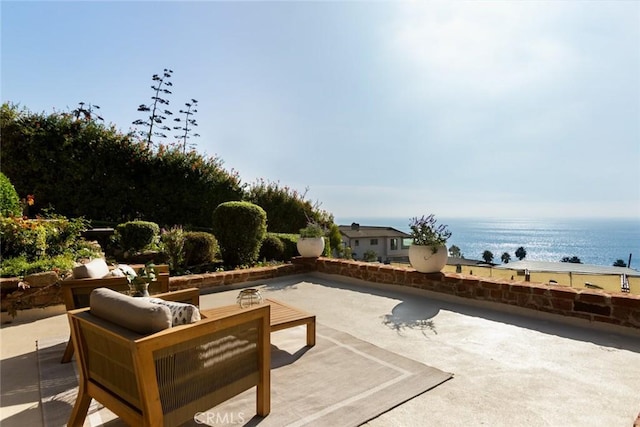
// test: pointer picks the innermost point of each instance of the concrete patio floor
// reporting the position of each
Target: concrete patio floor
(512, 367)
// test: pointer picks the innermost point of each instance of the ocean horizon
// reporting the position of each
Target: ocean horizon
(597, 241)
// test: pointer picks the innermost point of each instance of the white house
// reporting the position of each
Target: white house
(387, 243)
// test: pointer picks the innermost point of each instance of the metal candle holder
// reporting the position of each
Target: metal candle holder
(248, 297)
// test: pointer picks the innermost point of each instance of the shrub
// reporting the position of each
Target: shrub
(426, 232)
(173, 246)
(63, 159)
(137, 235)
(36, 238)
(200, 247)
(22, 238)
(272, 248)
(370, 256)
(64, 234)
(287, 209)
(289, 244)
(240, 228)
(312, 230)
(20, 266)
(9, 200)
(43, 244)
(335, 240)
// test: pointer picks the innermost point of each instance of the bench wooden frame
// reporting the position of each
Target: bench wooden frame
(144, 379)
(75, 293)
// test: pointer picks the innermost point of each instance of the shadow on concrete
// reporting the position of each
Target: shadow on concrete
(411, 315)
(17, 392)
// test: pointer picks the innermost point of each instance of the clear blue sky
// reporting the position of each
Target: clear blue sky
(387, 109)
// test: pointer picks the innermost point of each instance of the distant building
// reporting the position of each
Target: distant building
(389, 244)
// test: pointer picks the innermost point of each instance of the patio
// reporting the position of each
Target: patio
(511, 366)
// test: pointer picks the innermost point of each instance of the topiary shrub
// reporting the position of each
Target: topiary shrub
(200, 247)
(272, 248)
(240, 228)
(289, 242)
(9, 200)
(137, 235)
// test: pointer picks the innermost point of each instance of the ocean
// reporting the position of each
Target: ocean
(594, 241)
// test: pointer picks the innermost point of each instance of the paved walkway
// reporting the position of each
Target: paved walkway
(510, 369)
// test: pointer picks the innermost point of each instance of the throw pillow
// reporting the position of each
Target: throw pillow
(94, 269)
(136, 314)
(181, 313)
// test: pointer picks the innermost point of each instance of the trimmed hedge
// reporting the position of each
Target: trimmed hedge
(272, 248)
(137, 235)
(200, 247)
(83, 168)
(290, 245)
(9, 200)
(240, 228)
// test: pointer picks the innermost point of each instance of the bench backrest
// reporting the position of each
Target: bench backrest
(75, 292)
(167, 377)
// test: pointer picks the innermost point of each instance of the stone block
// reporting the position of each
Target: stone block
(40, 280)
(591, 308)
(594, 297)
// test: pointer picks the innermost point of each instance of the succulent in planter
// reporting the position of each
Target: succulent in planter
(312, 229)
(428, 254)
(311, 242)
(426, 232)
(139, 281)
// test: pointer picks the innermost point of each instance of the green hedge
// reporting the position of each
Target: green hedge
(84, 168)
(272, 248)
(289, 241)
(137, 235)
(199, 248)
(38, 238)
(240, 228)
(9, 200)
(287, 209)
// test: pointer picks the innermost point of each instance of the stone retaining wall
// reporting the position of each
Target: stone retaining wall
(223, 278)
(593, 305)
(44, 290)
(36, 290)
(621, 309)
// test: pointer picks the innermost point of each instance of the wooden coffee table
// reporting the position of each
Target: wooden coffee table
(283, 316)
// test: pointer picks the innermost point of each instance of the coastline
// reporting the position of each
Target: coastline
(595, 241)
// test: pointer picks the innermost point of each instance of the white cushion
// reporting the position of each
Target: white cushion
(94, 269)
(136, 314)
(126, 270)
(181, 313)
(116, 272)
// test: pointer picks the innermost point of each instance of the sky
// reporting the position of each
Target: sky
(375, 109)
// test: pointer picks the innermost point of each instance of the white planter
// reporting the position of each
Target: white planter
(310, 247)
(424, 260)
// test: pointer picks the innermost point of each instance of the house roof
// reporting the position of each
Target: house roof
(366, 231)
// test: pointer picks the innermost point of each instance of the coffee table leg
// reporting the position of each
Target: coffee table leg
(311, 333)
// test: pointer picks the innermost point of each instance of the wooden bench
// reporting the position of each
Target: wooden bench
(165, 378)
(75, 293)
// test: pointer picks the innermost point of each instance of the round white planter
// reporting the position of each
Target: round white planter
(310, 247)
(424, 260)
